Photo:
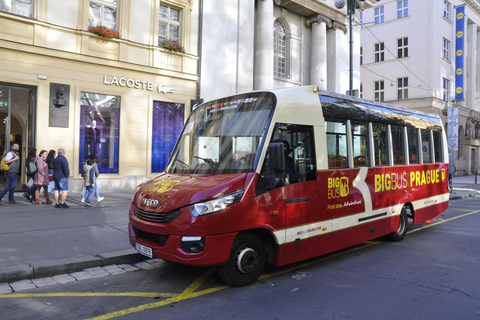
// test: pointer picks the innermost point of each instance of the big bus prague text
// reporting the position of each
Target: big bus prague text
(276, 177)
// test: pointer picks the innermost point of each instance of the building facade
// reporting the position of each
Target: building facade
(117, 78)
(424, 55)
(114, 92)
(311, 45)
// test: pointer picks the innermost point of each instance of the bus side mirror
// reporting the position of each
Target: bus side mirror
(276, 164)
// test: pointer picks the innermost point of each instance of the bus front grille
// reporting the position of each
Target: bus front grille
(160, 239)
(163, 217)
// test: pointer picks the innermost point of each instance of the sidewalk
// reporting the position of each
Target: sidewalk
(41, 241)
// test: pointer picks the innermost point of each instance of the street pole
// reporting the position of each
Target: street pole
(351, 15)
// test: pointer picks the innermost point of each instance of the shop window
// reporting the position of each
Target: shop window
(103, 12)
(169, 25)
(167, 126)
(21, 7)
(99, 130)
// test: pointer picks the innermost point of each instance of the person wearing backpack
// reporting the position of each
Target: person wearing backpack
(13, 159)
(30, 158)
(41, 178)
(88, 174)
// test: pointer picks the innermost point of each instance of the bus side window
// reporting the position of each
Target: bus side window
(437, 146)
(413, 151)
(299, 151)
(426, 146)
(336, 133)
(398, 144)
(380, 144)
(360, 145)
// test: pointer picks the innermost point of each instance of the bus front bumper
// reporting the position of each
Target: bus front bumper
(214, 250)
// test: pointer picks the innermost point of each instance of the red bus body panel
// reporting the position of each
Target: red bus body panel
(341, 208)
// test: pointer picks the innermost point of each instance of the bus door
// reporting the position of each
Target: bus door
(297, 183)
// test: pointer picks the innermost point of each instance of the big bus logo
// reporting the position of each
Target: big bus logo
(162, 186)
(337, 187)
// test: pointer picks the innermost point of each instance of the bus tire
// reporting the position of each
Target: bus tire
(246, 262)
(402, 227)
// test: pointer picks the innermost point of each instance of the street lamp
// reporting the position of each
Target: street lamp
(339, 4)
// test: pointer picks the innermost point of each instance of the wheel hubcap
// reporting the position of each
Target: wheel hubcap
(247, 260)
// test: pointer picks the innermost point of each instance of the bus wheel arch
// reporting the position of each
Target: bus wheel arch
(401, 231)
(247, 260)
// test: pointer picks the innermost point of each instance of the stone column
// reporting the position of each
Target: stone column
(338, 59)
(263, 51)
(318, 62)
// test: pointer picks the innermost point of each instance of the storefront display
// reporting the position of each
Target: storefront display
(167, 126)
(99, 130)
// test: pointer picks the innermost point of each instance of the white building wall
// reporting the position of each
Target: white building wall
(426, 67)
(240, 57)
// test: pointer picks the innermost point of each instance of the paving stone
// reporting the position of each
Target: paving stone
(144, 265)
(44, 282)
(98, 273)
(5, 288)
(81, 275)
(64, 278)
(131, 268)
(123, 266)
(111, 266)
(22, 285)
(116, 270)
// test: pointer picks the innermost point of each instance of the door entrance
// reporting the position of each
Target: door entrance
(17, 114)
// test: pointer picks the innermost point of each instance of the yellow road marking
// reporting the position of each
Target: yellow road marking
(190, 291)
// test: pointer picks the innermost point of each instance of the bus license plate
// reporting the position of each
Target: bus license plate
(146, 251)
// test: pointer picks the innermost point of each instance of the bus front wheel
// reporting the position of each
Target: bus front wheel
(246, 261)
(402, 227)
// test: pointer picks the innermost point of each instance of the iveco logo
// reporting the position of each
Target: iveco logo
(150, 202)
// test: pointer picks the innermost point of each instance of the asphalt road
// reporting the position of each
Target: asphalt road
(431, 274)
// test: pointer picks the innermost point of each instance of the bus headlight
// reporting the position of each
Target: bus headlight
(216, 205)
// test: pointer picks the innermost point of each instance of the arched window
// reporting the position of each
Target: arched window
(279, 50)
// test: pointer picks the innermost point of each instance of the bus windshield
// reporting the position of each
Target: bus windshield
(223, 136)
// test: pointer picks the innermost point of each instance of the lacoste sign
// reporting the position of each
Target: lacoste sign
(135, 84)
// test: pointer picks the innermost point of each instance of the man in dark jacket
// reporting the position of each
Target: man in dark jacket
(61, 172)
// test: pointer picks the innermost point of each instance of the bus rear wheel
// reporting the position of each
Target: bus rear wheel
(402, 227)
(246, 261)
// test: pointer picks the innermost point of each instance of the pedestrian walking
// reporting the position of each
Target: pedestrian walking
(50, 158)
(95, 189)
(12, 158)
(88, 174)
(30, 175)
(61, 172)
(41, 178)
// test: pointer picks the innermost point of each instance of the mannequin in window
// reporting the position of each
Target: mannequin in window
(92, 138)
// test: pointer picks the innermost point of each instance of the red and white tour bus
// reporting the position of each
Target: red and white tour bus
(275, 177)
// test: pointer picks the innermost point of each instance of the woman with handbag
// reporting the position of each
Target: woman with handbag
(50, 158)
(41, 178)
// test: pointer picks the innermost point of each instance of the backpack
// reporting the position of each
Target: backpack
(32, 166)
(3, 165)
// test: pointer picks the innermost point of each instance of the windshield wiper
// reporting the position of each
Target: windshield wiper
(212, 163)
(186, 165)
